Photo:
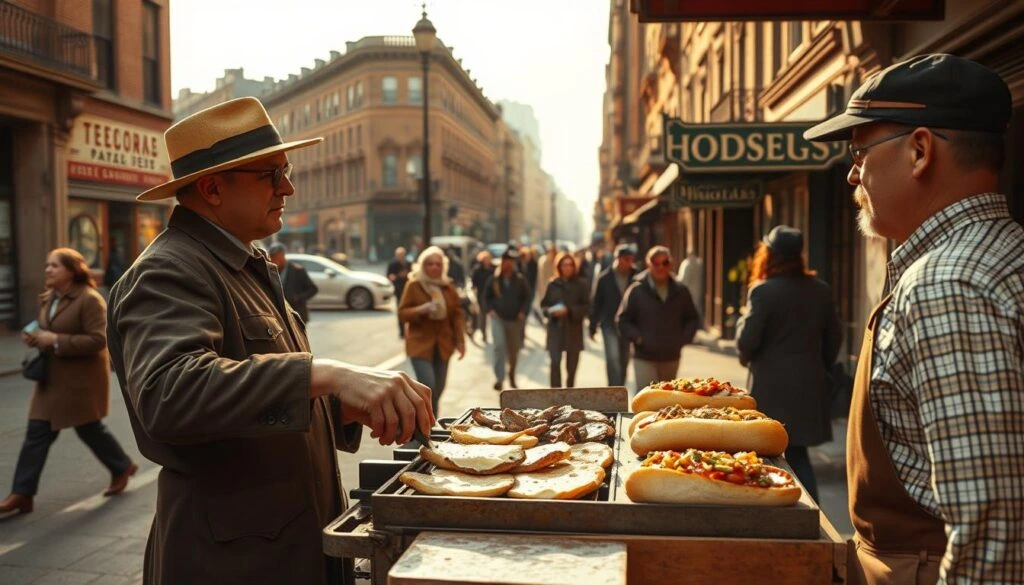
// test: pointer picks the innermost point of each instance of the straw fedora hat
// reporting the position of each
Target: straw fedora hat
(218, 138)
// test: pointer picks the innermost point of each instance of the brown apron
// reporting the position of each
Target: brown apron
(898, 542)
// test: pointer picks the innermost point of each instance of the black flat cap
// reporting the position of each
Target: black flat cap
(785, 241)
(938, 91)
(624, 250)
(511, 253)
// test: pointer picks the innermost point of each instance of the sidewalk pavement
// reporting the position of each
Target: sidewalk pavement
(11, 352)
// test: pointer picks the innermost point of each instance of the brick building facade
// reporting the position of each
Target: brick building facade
(84, 100)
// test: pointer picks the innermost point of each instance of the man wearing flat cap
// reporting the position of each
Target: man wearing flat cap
(936, 433)
(298, 287)
(221, 388)
(611, 285)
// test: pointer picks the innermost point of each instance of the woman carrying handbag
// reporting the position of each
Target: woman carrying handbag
(76, 391)
(566, 302)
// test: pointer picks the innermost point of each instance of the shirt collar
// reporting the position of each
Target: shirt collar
(939, 227)
(222, 244)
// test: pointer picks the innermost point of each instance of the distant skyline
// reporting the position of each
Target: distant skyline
(550, 54)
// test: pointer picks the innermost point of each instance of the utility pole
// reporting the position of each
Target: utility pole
(554, 219)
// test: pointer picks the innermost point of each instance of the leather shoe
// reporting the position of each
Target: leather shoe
(23, 504)
(120, 481)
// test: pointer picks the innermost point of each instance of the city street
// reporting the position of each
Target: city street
(76, 536)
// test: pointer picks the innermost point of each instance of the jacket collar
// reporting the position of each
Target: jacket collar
(203, 231)
(641, 277)
(47, 295)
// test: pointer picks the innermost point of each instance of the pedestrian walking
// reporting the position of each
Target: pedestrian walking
(658, 318)
(298, 286)
(789, 337)
(398, 274)
(71, 331)
(608, 292)
(691, 275)
(221, 387)
(432, 312)
(508, 299)
(566, 303)
(545, 271)
(935, 446)
(483, 268)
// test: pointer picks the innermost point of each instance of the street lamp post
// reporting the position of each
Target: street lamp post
(554, 219)
(508, 192)
(425, 35)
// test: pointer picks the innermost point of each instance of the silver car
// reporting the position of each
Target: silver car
(341, 287)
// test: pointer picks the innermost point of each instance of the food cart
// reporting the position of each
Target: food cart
(663, 542)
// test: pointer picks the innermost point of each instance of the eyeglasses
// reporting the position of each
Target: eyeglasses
(277, 175)
(662, 264)
(857, 152)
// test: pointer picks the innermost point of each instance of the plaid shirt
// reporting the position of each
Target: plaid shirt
(947, 383)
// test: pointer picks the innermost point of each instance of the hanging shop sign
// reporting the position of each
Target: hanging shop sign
(718, 193)
(107, 151)
(716, 148)
(741, 10)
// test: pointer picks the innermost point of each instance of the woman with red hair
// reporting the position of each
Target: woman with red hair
(789, 337)
(72, 328)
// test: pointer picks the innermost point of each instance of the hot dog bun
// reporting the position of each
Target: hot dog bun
(637, 419)
(654, 398)
(766, 436)
(667, 486)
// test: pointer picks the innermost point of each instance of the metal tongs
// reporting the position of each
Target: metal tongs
(423, 439)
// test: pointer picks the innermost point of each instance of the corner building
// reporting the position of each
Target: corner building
(359, 191)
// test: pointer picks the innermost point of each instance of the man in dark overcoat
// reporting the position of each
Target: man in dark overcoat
(299, 288)
(221, 388)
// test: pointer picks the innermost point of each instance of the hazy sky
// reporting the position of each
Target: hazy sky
(547, 53)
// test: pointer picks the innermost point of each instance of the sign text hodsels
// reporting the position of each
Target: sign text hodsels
(746, 147)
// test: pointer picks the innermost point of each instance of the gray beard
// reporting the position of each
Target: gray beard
(864, 224)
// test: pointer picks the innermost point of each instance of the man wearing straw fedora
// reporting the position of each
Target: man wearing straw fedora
(221, 388)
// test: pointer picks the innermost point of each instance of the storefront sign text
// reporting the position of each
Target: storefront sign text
(746, 147)
(717, 194)
(109, 151)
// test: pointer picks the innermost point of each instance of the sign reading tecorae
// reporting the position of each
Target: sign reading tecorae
(109, 151)
(716, 148)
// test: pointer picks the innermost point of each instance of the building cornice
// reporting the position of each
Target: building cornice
(821, 49)
(370, 49)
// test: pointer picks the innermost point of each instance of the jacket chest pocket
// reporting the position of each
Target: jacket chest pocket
(263, 333)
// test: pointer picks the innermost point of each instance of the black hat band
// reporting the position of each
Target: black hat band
(226, 150)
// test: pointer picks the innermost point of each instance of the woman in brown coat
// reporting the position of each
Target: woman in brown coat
(432, 314)
(566, 302)
(76, 393)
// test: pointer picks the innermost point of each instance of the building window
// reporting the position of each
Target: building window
(390, 173)
(359, 136)
(389, 90)
(335, 106)
(415, 90)
(350, 100)
(318, 109)
(151, 53)
(776, 47)
(305, 116)
(796, 35)
(103, 35)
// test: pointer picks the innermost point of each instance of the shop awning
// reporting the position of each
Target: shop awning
(643, 213)
(666, 179)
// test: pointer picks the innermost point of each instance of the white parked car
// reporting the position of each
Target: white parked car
(341, 287)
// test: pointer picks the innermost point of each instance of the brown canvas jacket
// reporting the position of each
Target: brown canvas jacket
(215, 370)
(77, 387)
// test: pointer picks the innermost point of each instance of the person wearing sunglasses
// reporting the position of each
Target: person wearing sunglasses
(935, 445)
(657, 316)
(222, 389)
